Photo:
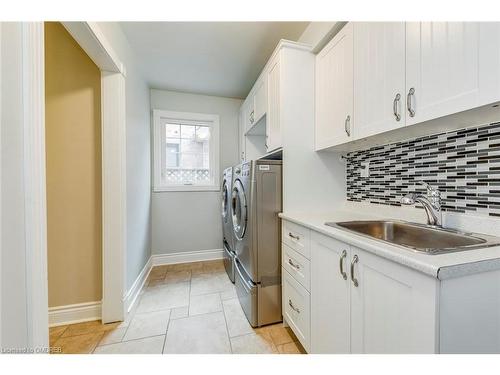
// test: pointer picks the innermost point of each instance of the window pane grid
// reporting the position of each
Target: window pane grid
(188, 176)
(187, 157)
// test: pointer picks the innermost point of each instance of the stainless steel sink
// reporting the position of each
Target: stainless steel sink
(418, 237)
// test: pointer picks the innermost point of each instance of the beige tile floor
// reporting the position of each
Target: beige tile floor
(184, 308)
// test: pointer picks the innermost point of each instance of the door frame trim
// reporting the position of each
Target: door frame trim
(35, 210)
(113, 125)
(0, 186)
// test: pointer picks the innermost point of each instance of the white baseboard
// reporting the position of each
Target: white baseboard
(131, 297)
(187, 257)
(77, 313)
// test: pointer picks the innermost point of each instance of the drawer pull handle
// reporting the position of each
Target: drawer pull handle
(296, 238)
(341, 265)
(354, 261)
(296, 309)
(296, 266)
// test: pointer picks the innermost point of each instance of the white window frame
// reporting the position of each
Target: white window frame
(214, 154)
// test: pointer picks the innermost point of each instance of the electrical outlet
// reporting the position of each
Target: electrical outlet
(365, 169)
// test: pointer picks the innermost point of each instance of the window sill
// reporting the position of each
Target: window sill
(185, 188)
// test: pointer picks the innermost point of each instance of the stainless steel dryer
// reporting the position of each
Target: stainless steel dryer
(227, 227)
(256, 202)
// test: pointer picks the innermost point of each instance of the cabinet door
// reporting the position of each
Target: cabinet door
(393, 308)
(379, 77)
(450, 67)
(241, 134)
(330, 305)
(248, 113)
(334, 91)
(273, 123)
(260, 100)
(297, 308)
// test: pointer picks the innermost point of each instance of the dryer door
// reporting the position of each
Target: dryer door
(239, 209)
(225, 201)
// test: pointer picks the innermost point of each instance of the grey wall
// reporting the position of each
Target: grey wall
(138, 155)
(190, 221)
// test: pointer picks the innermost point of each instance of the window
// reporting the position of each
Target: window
(186, 151)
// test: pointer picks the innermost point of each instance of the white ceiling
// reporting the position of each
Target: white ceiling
(213, 58)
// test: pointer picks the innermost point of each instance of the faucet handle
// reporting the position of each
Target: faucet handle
(408, 199)
(424, 184)
(431, 190)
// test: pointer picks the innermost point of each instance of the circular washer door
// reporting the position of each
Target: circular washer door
(225, 200)
(239, 209)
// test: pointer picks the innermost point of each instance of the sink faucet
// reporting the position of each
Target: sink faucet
(431, 202)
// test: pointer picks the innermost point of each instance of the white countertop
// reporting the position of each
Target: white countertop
(441, 266)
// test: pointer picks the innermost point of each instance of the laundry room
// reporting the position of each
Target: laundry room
(250, 188)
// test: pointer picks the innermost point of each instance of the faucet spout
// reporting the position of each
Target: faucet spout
(431, 202)
(433, 212)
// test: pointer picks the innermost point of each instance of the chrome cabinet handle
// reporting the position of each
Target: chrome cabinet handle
(411, 111)
(296, 238)
(296, 266)
(296, 309)
(341, 264)
(347, 125)
(353, 279)
(395, 107)
(251, 117)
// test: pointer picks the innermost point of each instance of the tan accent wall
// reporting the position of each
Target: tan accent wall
(73, 149)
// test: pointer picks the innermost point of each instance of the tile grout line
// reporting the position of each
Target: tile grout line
(189, 293)
(137, 339)
(128, 326)
(227, 328)
(166, 331)
(219, 295)
(134, 314)
(97, 344)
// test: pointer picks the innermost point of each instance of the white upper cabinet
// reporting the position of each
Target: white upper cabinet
(241, 130)
(396, 74)
(334, 91)
(450, 67)
(273, 124)
(281, 96)
(260, 99)
(248, 114)
(379, 77)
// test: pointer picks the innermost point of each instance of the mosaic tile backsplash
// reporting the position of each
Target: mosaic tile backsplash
(464, 164)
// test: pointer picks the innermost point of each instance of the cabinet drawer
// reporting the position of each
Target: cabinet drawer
(297, 308)
(297, 266)
(298, 238)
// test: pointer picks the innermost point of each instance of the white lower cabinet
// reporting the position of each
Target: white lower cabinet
(359, 302)
(297, 308)
(393, 308)
(330, 297)
(297, 266)
(341, 299)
